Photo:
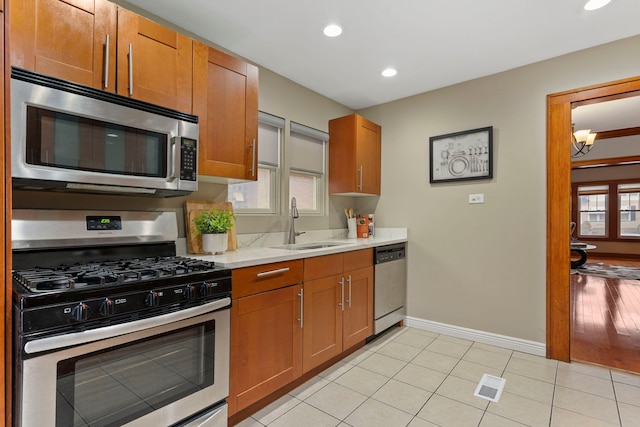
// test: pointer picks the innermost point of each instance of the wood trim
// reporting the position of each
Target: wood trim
(558, 197)
(5, 228)
(612, 161)
(613, 97)
(617, 133)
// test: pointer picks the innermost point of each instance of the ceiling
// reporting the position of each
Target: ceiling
(431, 43)
(611, 115)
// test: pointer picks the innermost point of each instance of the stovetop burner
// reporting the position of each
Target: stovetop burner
(108, 273)
(76, 277)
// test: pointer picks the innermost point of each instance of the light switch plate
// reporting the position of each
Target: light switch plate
(476, 198)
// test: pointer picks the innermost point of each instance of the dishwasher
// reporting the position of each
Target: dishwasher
(390, 286)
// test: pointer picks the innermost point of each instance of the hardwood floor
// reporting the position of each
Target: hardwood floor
(605, 315)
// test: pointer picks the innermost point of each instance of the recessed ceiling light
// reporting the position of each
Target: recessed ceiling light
(595, 4)
(389, 72)
(332, 30)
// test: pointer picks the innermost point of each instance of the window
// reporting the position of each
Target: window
(608, 210)
(307, 168)
(629, 207)
(261, 196)
(592, 207)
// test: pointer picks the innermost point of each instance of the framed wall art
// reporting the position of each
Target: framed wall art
(461, 156)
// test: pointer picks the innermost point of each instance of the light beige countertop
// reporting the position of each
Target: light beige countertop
(260, 250)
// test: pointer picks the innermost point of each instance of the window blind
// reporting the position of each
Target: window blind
(307, 149)
(269, 128)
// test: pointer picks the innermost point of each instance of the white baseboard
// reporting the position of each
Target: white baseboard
(525, 346)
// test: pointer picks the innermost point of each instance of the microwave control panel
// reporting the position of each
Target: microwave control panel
(188, 159)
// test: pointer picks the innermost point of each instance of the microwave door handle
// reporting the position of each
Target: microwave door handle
(173, 159)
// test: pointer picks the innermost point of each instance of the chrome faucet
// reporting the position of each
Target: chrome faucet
(292, 229)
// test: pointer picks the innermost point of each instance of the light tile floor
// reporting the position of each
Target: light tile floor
(410, 377)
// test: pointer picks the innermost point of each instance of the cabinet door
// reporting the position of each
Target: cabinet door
(368, 156)
(322, 327)
(354, 155)
(155, 63)
(358, 309)
(266, 345)
(226, 102)
(66, 39)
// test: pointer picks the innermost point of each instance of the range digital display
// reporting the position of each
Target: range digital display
(107, 222)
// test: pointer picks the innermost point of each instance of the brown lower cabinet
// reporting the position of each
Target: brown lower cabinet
(282, 327)
(338, 304)
(266, 336)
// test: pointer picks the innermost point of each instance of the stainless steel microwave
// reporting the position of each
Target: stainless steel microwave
(71, 137)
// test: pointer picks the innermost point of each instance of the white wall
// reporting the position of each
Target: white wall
(483, 266)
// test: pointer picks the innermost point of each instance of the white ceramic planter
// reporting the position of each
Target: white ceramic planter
(214, 243)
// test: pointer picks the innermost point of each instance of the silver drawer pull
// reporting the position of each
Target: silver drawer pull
(301, 319)
(130, 69)
(272, 272)
(106, 63)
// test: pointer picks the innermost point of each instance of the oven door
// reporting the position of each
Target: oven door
(159, 375)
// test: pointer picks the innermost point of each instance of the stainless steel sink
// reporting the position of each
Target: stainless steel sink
(309, 246)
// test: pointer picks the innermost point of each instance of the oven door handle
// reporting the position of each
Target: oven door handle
(77, 338)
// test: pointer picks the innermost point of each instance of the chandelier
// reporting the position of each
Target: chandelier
(582, 141)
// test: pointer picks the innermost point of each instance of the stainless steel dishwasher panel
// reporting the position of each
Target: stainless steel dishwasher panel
(390, 285)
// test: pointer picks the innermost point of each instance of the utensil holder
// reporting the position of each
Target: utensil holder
(351, 226)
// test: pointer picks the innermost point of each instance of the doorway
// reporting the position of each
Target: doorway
(558, 206)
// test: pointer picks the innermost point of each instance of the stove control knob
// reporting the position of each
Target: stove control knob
(80, 312)
(189, 292)
(107, 308)
(152, 299)
(203, 289)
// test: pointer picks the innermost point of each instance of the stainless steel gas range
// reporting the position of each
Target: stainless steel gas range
(111, 328)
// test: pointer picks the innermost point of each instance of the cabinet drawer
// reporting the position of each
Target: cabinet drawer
(358, 259)
(262, 278)
(322, 266)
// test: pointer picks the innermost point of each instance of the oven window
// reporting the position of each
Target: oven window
(117, 385)
(70, 142)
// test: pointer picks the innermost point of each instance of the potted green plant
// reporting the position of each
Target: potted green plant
(214, 225)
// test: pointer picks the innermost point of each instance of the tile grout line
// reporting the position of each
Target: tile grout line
(615, 396)
(553, 395)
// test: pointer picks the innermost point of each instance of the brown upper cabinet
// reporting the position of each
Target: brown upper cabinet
(226, 102)
(354, 156)
(77, 40)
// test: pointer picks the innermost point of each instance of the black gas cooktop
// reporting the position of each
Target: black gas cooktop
(108, 274)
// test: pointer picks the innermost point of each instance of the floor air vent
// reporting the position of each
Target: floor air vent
(490, 387)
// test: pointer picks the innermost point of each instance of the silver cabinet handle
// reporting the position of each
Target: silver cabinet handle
(106, 63)
(130, 69)
(253, 158)
(341, 303)
(360, 185)
(349, 297)
(272, 272)
(301, 319)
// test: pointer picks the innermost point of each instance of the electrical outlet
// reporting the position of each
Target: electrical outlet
(476, 198)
